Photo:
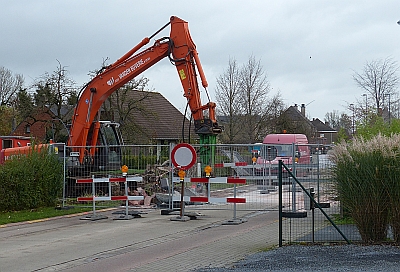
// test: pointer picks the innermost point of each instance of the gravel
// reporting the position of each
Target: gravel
(319, 258)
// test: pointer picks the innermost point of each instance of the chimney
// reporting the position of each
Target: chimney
(303, 109)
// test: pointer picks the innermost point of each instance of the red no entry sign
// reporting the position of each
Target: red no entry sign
(183, 156)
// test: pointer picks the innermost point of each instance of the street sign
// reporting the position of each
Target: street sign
(183, 156)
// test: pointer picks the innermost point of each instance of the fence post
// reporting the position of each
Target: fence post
(280, 201)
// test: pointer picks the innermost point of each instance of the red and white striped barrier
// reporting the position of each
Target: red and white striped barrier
(109, 180)
(119, 179)
(230, 164)
(106, 198)
(95, 198)
(221, 180)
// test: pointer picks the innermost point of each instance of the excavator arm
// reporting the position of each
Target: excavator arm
(180, 49)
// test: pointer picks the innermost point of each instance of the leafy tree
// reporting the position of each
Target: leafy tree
(343, 135)
(24, 105)
(378, 126)
(6, 119)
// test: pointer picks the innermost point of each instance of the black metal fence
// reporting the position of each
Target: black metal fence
(310, 212)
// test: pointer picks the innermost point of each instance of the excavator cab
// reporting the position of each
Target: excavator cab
(108, 155)
(103, 154)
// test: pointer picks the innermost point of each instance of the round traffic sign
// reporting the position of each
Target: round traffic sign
(183, 155)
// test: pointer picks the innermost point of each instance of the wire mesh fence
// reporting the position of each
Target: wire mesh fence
(255, 167)
(159, 176)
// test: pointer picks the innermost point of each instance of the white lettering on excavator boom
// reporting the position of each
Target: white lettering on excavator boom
(133, 68)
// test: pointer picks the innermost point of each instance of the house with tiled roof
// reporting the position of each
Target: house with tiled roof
(324, 133)
(152, 119)
(317, 132)
(41, 124)
(297, 122)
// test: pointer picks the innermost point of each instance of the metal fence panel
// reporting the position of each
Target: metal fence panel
(244, 178)
(152, 163)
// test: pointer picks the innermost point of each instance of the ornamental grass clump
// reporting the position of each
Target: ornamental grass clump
(367, 176)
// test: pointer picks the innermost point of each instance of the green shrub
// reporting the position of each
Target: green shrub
(366, 173)
(30, 181)
(141, 161)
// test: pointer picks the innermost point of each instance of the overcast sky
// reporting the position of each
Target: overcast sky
(309, 49)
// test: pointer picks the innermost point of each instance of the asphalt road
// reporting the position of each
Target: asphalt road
(150, 243)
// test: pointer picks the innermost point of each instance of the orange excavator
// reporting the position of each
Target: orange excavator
(181, 51)
(88, 133)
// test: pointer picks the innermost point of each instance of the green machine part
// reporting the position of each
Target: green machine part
(207, 149)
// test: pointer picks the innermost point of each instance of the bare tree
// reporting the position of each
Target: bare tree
(254, 95)
(9, 86)
(228, 92)
(56, 96)
(379, 79)
(244, 107)
(340, 121)
(124, 104)
(270, 122)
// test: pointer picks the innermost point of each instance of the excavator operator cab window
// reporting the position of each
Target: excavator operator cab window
(110, 135)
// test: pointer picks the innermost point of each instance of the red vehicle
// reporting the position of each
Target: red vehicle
(290, 148)
(8, 143)
(14, 141)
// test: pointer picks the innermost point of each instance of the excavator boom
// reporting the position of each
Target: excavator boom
(180, 49)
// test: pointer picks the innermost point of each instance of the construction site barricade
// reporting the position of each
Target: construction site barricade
(207, 199)
(94, 198)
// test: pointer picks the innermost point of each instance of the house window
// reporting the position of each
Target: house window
(7, 144)
(28, 129)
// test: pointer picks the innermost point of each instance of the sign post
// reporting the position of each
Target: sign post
(183, 157)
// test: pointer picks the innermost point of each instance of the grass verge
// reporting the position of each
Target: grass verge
(45, 212)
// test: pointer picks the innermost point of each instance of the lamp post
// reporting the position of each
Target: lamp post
(388, 106)
(352, 118)
(366, 107)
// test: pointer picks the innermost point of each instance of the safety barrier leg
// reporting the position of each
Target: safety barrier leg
(94, 216)
(234, 220)
(126, 216)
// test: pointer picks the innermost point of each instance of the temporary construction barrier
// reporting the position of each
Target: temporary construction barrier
(153, 163)
(207, 199)
(110, 197)
(230, 164)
